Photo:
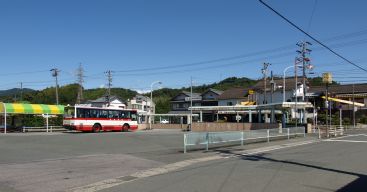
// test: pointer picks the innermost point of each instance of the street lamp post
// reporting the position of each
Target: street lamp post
(151, 102)
(285, 70)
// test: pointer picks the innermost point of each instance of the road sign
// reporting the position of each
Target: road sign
(327, 78)
(250, 92)
(238, 117)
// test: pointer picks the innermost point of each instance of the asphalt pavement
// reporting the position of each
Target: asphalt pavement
(153, 161)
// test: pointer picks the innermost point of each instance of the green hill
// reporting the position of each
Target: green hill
(162, 97)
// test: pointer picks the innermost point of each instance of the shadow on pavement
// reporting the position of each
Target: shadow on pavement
(358, 185)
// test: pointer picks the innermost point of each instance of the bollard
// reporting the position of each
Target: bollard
(304, 132)
(185, 142)
(207, 141)
(288, 133)
(242, 138)
(268, 132)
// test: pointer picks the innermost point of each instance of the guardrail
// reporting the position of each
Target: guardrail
(330, 131)
(43, 129)
(208, 138)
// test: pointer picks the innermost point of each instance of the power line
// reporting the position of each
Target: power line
(22, 73)
(316, 40)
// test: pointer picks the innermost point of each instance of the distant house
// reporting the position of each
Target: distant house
(210, 97)
(103, 102)
(181, 102)
(233, 96)
(142, 104)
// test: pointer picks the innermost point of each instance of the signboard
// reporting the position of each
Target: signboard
(327, 78)
(193, 98)
(251, 92)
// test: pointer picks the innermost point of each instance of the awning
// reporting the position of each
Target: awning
(22, 108)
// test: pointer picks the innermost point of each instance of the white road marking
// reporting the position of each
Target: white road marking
(266, 149)
(175, 166)
(352, 135)
(348, 141)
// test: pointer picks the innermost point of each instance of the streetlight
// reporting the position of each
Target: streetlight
(310, 67)
(151, 92)
(151, 102)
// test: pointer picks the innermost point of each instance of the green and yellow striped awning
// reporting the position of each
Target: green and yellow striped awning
(22, 108)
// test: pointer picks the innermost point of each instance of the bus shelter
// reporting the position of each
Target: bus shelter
(33, 109)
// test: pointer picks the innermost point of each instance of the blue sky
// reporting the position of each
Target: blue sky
(171, 40)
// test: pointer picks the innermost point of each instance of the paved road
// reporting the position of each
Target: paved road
(330, 165)
(153, 161)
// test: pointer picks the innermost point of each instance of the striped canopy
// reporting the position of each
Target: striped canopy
(22, 108)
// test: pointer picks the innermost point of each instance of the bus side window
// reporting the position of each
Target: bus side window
(80, 113)
(87, 113)
(104, 114)
(121, 114)
(110, 114)
(115, 114)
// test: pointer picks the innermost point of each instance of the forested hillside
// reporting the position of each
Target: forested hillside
(162, 97)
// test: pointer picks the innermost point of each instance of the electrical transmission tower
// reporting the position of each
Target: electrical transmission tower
(109, 84)
(264, 71)
(80, 76)
(303, 52)
(55, 73)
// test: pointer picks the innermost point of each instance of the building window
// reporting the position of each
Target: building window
(229, 103)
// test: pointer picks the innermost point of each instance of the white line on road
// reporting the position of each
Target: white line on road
(175, 166)
(348, 141)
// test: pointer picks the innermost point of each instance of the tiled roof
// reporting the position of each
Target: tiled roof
(194, 95)
(234, 93)
(218, 92)
(340, 89)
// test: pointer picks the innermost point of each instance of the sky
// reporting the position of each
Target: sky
(143, 41)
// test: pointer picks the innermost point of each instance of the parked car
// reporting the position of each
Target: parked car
(164, 121)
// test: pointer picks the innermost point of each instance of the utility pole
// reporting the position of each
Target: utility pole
(295, 91)
(21, 91)
(109, 84)
(264, 71)
(305, 63)
(190, 103)
(80, 80)
(55, 73)
(354, 110)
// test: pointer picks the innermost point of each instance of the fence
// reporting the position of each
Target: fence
(206, 139)
(330, 131)
(43, 129)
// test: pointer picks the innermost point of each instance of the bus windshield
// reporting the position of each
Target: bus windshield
(68, 112)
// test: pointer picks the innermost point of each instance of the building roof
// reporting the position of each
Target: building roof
(103, 99)
(341, 89)
(141, 97)
(194, 95)
(218, 92)
(234, 93)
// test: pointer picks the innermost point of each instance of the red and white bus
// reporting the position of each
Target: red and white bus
(94, 119)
